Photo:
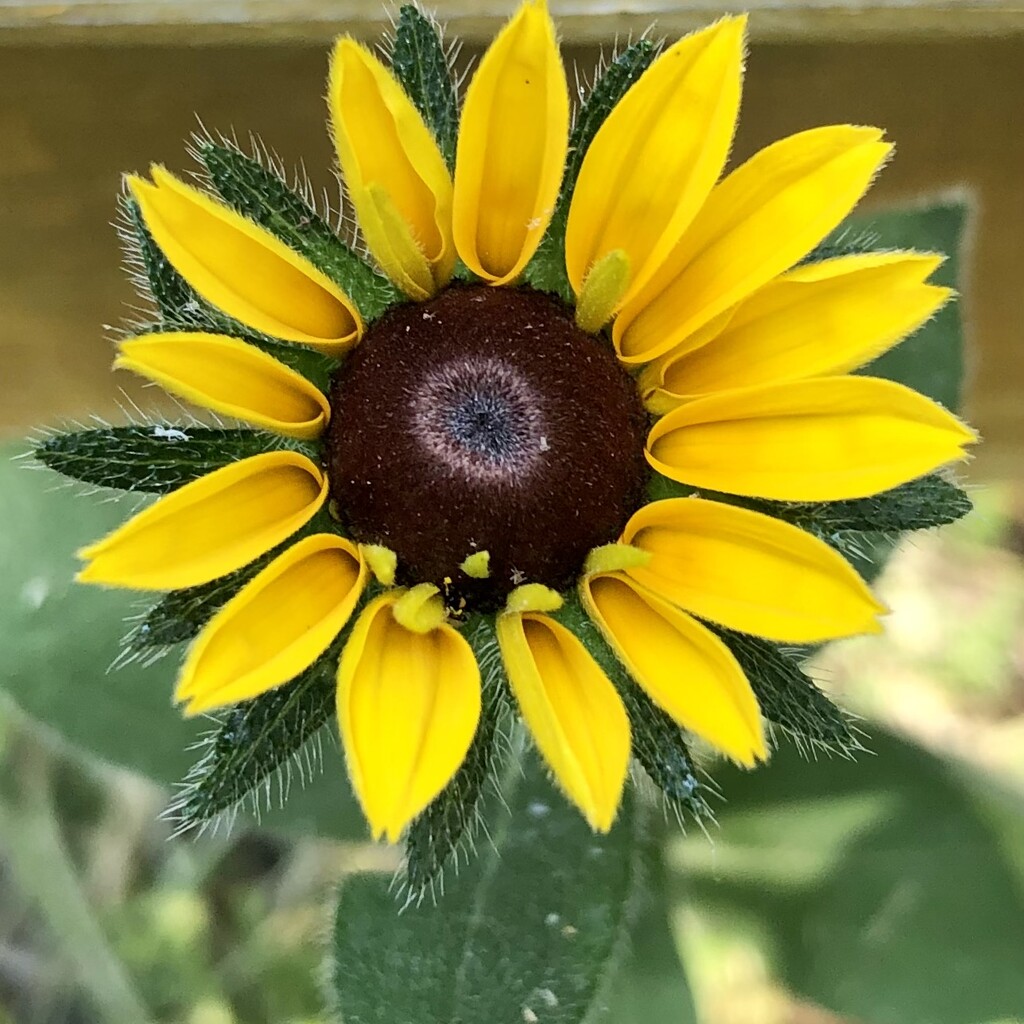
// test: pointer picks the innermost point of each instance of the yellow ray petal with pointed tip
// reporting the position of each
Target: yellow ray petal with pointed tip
(749, 572)
(826, 318)
(394, 171)
(210, 527)
(513, 140)
(230, 377)
(758, 222)
(243, 269)
(276, 626)
(684, 668)
(408, 708)
(656, 157)
(576, 717)
(826, 439)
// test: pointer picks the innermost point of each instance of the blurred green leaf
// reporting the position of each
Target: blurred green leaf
(888, 894)
(60, 639)
(931, 361)
(651, 987)
(533, 929)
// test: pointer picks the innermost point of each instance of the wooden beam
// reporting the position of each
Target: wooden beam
(581, 21)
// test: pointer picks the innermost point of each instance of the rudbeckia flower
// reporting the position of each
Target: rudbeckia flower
(485, 449)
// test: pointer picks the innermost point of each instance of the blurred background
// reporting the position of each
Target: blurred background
(787, 915)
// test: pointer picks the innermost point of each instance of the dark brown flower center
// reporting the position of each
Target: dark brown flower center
(485, 420)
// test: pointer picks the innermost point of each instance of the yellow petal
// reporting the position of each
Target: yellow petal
(760, 220)
(825, 318)
(684, 668)
(210, 527)
(656, 157)
(812, 440)
(229, 377)
(576, 717)
(513, 139)
(408, 708)
(394, 172)
(243, 269)
(276, 626)
(749, 572)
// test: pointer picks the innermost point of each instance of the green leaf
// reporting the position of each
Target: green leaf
(421, 65)
(450, 824)
(931, 500)
(533, 929)
(657, 742)
(154, 459)
(546, 271)
(883, 888)
(651, 987)
(788, 696)
(257, 193)
(60, 638)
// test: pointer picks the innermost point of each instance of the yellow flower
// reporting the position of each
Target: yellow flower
(486, 450)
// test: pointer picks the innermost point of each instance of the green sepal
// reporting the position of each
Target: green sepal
(258, 739)
(255, 740)
(181, 308)
(932, 500)
(658, 743)
(421, 65)
(177, 304)
(153, 459)
(262, 196)
(451, 823)
(546, 271)
(844, 241)
(180, 614)
(788, 696)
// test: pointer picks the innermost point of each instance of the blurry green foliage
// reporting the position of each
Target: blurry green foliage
(886, 893)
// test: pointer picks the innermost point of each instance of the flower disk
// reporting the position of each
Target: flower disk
(485, 420)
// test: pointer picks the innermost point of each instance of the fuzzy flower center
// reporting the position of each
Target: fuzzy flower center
(485, 420)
